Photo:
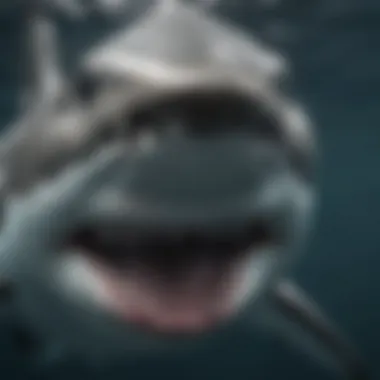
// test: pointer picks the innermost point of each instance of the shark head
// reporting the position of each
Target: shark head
(214, 198)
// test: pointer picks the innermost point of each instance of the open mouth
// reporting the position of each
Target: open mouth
(175, 283)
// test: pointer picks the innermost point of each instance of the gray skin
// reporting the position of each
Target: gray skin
(62, 159)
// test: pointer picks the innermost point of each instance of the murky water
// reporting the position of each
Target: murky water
(334, 49)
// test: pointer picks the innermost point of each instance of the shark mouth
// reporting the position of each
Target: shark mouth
(182, 279)
(184, 283)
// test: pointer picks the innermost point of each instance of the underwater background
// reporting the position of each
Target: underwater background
(334, 48)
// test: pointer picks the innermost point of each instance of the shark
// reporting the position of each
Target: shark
(161, 193)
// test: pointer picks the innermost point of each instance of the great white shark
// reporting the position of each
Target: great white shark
(164, 192)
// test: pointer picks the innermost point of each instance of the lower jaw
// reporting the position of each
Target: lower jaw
(183, 323)
(174, 311)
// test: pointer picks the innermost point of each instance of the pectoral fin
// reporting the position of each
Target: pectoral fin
(289, 312)
(44, 80)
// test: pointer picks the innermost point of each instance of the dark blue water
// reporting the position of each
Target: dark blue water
(334, 46)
